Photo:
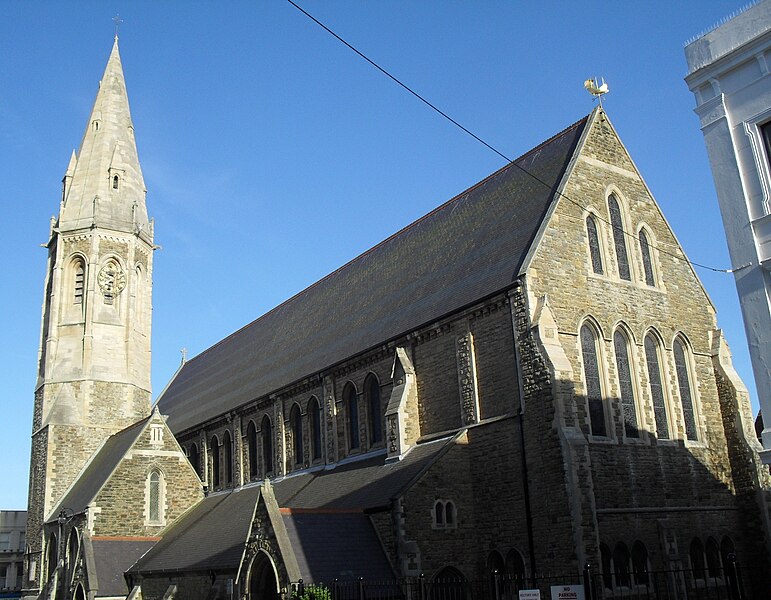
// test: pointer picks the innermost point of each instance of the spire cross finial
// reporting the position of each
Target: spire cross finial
(117, 20)
(184, 355)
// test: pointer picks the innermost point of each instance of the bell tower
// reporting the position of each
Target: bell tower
(93, 374)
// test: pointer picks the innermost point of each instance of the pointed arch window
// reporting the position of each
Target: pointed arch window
(589, 356)
(267, 444)
(296, 420)
(712, 552)
(194, 459)
(647, 259)
(515, 565)
(80, 280)
(640, 563)
(653, 358)
(595, 250)
(625, 385)
(115, 182)
(621, 571)
(215, 462)
(227, 442)
(314, 413)
(696, 555)
(351, 403)
(251, 446)
(619, 238)
(682, 368)
(155, 498)
(372, 387)
(606, 567)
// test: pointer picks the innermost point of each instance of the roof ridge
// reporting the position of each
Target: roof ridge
(398, 233)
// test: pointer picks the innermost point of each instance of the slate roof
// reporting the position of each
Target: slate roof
(469, 248)
(336, 546)
(210, 536)
(213, 533)
(112, 557)
(96, 473)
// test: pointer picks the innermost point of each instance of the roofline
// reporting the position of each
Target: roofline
(449, 443)
(392, 236)
(557, 196)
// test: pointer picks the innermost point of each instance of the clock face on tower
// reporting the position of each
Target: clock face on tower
(111, 280)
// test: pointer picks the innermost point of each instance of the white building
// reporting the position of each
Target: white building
(13, 524)
(728, 72)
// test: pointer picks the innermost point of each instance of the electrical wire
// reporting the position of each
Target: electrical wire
(495, 150)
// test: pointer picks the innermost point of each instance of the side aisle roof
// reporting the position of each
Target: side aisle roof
(467, 249)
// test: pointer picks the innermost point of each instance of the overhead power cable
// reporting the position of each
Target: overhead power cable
(491, 147)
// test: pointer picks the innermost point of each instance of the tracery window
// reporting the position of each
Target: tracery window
(625, 385)
(296, 420)
(712, 551)
(619, 238)
(155, 497)
(647, 259)
(351, 403)
(314, 412)
(686, 389)
(589, 356)
(515, 565)
(372, 387)
(251, 446)
(227, 441)
(267, 444)
(653, 359)
(595, 250)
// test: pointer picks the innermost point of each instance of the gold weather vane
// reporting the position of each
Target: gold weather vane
(595, 89)
(117, 20)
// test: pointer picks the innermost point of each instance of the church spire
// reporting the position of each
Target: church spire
(106, 188)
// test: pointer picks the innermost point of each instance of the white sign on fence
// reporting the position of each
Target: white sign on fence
(529, 594)
(567, 592)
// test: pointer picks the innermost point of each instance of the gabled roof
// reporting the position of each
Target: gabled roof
(112, 557)
(213, 533)
(336, 546)
(96, 473)
(462, 252)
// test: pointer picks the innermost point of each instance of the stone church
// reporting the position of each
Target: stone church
(528, 379)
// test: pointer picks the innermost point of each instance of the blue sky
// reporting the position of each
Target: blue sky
(272, 154)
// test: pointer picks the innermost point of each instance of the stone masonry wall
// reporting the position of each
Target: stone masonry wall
(652, 478)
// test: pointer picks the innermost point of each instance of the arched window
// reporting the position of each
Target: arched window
(619, 238)
(314, 413)
(439, 513)
(625, 385)
(647, 258)
(640, 563)
(621, 569)
(372, 388)
(682, 367)
(351, 402)
(115, 181)
(215, 462)
(515, 565)
(227, 441)
(595, 250)
(251, 445)
(653, 358)
(712, 551)
(449, 513)
(696, 554)
(727, 551)
(445, 515)
(73, 546)
(194, 459)
(589, 356)
(495, 574)
(607, 571)
(267, 444)
(448, 584)
(53, 554)
(79, 281)
(296, 419)
(154, 502)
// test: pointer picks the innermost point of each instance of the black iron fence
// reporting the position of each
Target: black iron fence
(735, 582)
